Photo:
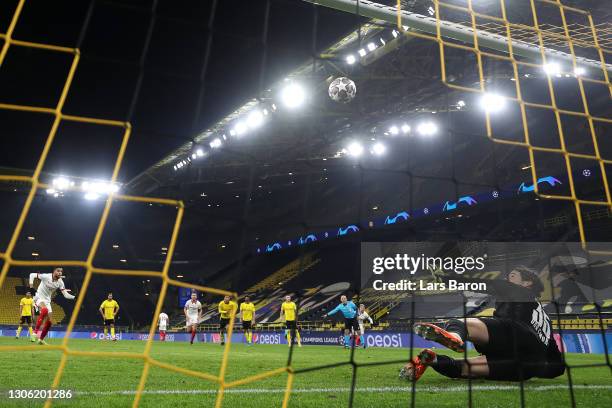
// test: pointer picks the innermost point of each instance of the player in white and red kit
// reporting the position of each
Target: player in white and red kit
(49, 283)
(193, 314)
(362, 316)
(162, 324)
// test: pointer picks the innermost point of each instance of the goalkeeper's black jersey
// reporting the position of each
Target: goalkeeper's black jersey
(519, 304)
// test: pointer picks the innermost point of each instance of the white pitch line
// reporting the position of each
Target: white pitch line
(461, 388)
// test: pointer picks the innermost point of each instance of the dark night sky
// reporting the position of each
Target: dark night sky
(108, 73)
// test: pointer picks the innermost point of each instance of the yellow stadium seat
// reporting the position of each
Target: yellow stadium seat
(486, 312)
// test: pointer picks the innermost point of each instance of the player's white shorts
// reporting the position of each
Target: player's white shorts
(191, 320)
(39, 302)
(162, 327)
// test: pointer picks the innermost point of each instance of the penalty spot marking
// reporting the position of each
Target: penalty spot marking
(461, 388)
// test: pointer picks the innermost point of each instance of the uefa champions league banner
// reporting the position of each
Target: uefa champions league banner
(573, 342)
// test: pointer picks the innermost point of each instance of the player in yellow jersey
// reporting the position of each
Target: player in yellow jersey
(289, 311)
(25, 312)
(109, 309)
(227, 309)
(247, 316)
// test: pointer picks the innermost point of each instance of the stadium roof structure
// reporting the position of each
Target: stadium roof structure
(330, 63)
(290, 174)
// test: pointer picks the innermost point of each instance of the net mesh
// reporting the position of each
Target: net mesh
(511, 39)
(87, 264)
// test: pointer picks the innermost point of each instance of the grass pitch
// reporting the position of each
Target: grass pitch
(110, 382)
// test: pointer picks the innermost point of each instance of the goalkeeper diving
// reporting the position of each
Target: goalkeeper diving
(515, 344)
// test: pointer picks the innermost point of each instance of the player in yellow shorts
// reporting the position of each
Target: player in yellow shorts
(109, 309)
(25, 313)
(247, 316)
(289, 311)
(227, 309)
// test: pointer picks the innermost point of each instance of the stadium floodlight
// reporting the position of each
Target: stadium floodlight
(378, 149)
(51, 191)
(200, 152)
(61, 183)
(293, 95)
(98, 188)
(492, 103)
(371, 46)
(350, 59)
(355, 149)
(240, 128)
(579, 71)
(461, 103)
(361, 52)
(394, 130)
(394, 34)
(216, 143)
(431, 11)
(405, 128)
(232, 132)
(255, 119)
(427, 128)
(552, 68)
(194, 155)
(382, 41)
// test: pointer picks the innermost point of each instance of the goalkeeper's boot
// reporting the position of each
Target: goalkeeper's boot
(432, 332)
(415, 368)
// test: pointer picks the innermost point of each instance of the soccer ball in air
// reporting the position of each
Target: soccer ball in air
(342, 90)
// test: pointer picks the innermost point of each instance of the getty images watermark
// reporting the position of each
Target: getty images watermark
(437, 267)
(470, 272)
